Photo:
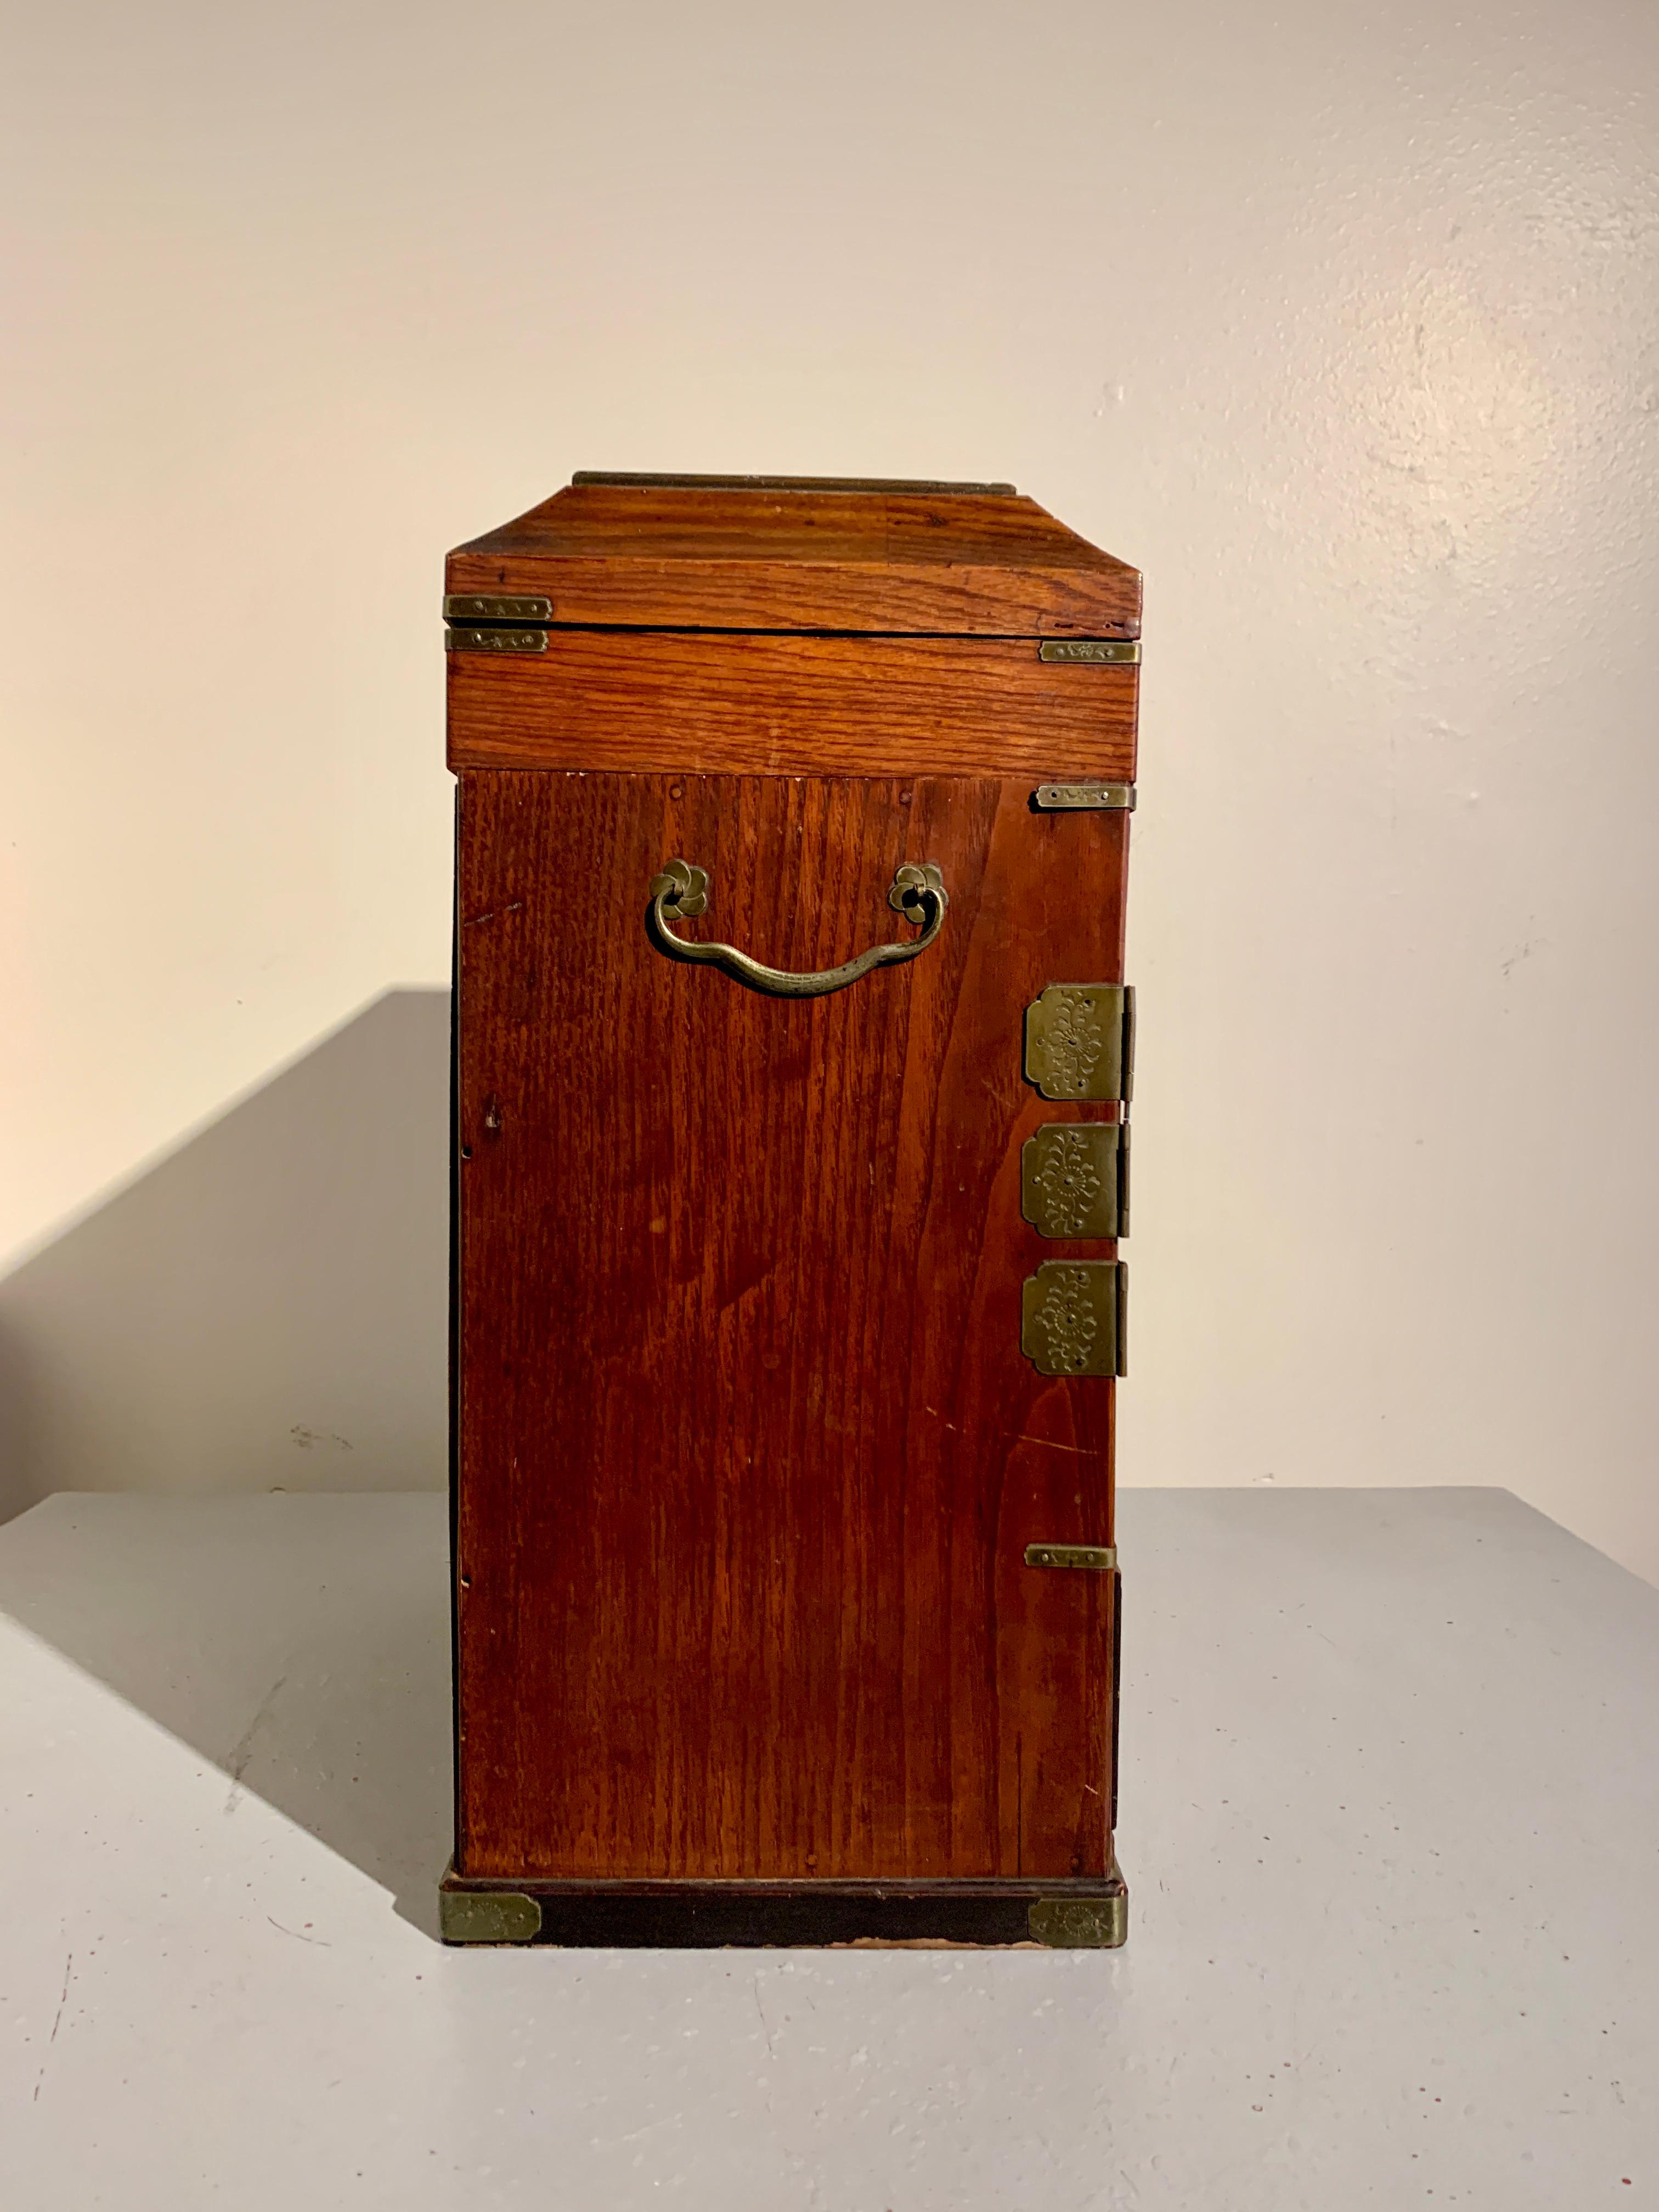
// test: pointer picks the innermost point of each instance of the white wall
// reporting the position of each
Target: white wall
(1342, 324)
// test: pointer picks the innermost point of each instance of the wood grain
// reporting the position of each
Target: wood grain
(749, 1454)
(660, 700)
(689, 557)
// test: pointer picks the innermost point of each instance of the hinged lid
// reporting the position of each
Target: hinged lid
(802, 553)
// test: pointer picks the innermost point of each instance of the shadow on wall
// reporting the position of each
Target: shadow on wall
(266, 1310)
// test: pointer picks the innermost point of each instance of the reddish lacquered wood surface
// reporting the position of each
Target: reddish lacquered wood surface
(719, 556)
(748, 705)
(749, 1453)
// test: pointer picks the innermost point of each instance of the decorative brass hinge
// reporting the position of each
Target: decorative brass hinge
(495, 641)
(1093, 1559)
(1074, 1318)
(479, 607)
(479, 624)
(1079, 1040)
(1112, 651)
(1075, 1179)
(1081, 797)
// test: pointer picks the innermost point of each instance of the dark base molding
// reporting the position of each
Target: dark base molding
(1089, 1914)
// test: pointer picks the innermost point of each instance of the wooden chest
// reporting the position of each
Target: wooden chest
(791, 1076)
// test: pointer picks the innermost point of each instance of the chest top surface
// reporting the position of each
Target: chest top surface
(814, 554)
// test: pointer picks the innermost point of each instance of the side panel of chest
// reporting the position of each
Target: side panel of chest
(749, 1451)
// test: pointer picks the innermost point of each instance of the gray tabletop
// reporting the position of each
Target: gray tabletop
(1390, 1819)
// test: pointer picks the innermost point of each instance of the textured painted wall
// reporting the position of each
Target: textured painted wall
(1343, 325)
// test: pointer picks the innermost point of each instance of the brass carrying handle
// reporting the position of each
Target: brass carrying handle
(918, 894)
